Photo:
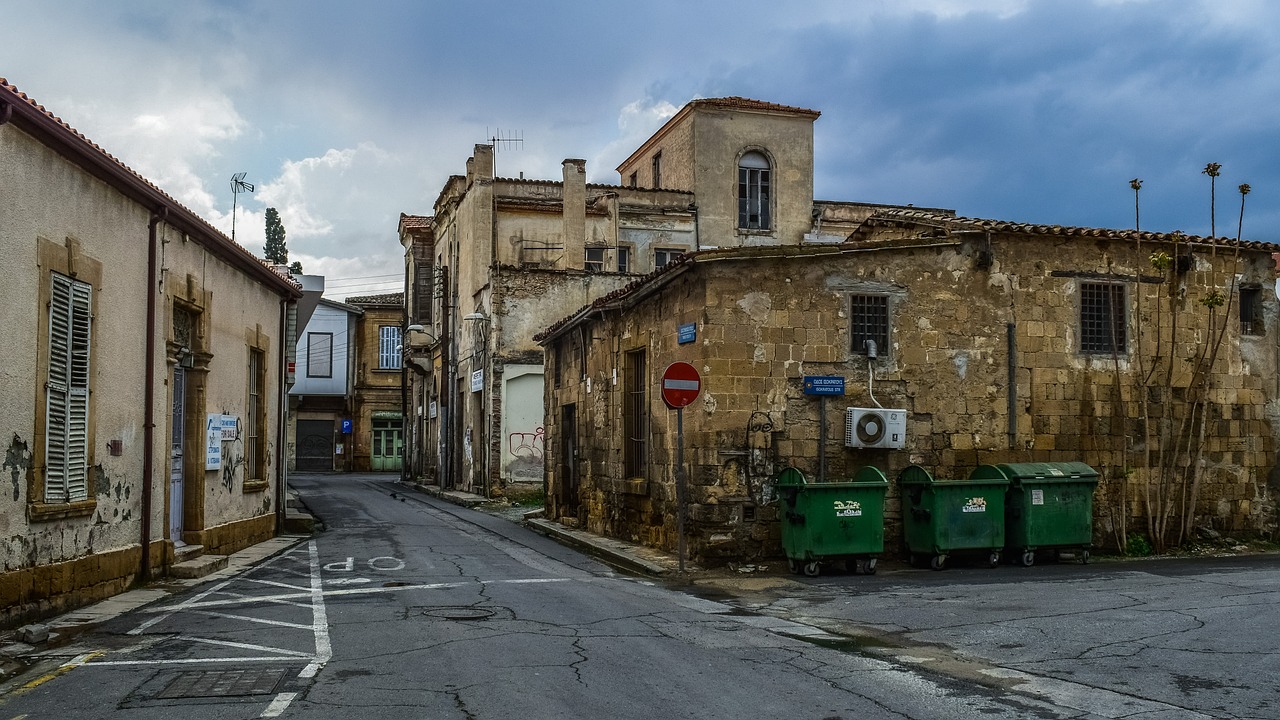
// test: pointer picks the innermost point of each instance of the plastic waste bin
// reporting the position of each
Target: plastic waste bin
(832, 521)
(1049, 506)
(945, 517)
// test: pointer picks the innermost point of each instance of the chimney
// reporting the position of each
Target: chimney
(483, 159)
(575, 212)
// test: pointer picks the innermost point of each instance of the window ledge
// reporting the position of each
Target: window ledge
(631, 486)
(45, 512)
(252, 486)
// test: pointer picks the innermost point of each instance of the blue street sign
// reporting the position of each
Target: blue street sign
(688, 333)
(346, 427)
(823, 385)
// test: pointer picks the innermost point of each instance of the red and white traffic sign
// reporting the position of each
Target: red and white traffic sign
(680, 384)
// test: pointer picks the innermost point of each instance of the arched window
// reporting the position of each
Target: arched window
(753, 192)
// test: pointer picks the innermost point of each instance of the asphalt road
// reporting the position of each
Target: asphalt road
(408, 607)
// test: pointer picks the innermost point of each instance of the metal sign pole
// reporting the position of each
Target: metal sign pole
(680, 484)
(822, 438)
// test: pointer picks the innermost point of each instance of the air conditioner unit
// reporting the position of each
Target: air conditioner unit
(875, 428)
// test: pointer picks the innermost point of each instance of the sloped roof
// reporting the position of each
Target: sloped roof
(952, 223)
(36, 120)
(734, 102)
(395, 298)
(948, 224)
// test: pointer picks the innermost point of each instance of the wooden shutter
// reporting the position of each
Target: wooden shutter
(67, 391)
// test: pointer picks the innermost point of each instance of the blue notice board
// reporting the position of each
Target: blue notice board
(823, 385)
(688, 333)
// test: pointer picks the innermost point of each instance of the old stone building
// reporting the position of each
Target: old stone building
(321, 397)
(143, 374)
(503, 258)
(377, 436)
(1001, 342)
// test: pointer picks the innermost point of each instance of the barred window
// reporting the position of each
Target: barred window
(1102, 318)
(635, 415)
(869, 321)
(256, 417)
(1251, 311)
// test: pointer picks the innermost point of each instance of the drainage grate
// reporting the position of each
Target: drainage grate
(223, 683)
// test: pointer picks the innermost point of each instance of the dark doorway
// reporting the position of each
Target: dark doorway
(568, 461)
(315, 445)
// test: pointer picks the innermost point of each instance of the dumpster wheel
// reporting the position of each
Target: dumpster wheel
(1084, 557)
(994, 559)
(938, 562)
(865, 567)
(812, 568)
(1028, 558)
(793, 566)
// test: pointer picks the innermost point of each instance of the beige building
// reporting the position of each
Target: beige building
(142, 377)
(377, 438)
(502, 258)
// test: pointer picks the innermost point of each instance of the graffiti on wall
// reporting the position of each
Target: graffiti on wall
(526, 444)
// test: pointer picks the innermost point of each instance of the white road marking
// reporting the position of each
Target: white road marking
(244, 646)
(319, 617)
(277, 584)
(250, 618)
(278, 705)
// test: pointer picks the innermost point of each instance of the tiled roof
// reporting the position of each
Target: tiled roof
(741, 103)
(951, 223)
(413, 222)
(395, 298)
(97, 161)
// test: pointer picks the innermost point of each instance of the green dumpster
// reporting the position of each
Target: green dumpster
(941, 518)
(832, 521)
(1049, 507)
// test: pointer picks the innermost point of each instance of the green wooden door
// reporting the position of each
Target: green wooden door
(388, 446)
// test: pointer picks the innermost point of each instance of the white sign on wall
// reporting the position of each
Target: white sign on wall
(477, 380)
(213, 442)
(230, 426)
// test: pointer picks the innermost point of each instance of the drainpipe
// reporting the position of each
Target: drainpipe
(282, 460)
(149, 394)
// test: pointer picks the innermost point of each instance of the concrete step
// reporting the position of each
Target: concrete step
(199, 567)
(299, 522)
(187, 552)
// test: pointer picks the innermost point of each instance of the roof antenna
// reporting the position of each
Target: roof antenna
(238, 185)
(510, 140)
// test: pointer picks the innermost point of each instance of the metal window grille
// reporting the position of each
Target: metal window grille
(1251, 311)
(635, 413)
(255, 417)
(1102, 318)
(869, 320)
(389, 347)
(66, 449)
(753, 198)
(320, 355)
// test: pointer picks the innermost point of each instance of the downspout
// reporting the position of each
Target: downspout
(149, 394)
(282, 463)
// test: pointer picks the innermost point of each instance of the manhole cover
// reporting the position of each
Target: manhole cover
(459, 613)
(223, 683)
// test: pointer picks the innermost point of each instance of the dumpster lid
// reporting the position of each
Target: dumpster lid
(791, 477)
(916, 475)
(870, 475)
(1040, 472)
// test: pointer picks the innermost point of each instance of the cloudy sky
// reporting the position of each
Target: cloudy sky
(345, 114)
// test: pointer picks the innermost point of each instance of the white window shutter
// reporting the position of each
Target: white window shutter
(67, 391)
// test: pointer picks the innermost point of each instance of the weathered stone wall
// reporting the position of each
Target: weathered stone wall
(765, 323)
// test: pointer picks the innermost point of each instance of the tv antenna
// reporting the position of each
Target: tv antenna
(509, 140)
(238, 185)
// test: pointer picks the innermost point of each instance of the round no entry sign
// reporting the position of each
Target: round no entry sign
(680, 384)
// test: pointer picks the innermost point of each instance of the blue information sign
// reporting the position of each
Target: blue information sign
(688, 333)
(823, 385)
(346, 427)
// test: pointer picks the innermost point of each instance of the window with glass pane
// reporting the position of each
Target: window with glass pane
(753, 192)
(389, 347)
(624, 259)
(594, 259)
(1102, 318)
(319, 355)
